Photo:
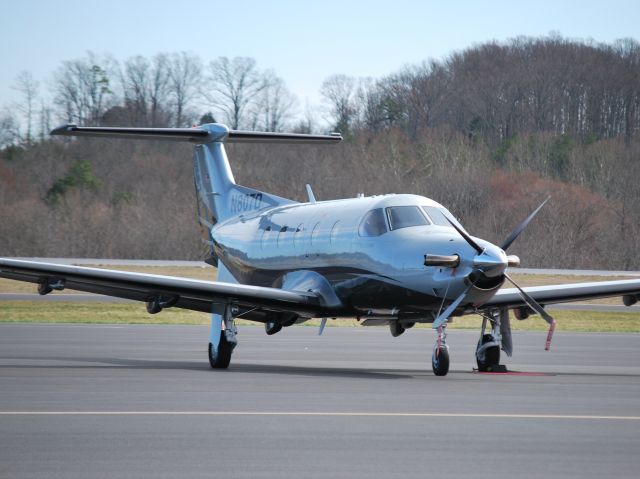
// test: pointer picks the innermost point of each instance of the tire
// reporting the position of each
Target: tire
(272, 328)
(222, 359)
(440, 364)
(492, 355)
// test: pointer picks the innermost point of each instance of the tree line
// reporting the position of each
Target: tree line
(489, 132)
(167, 90)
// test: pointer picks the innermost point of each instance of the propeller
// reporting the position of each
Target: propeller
(490, 263)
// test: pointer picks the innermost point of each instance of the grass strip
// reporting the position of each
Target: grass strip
(116, 313)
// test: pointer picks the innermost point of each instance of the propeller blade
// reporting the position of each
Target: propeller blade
(442, 318)
(512, 237)
(466, 237)
(533, 304)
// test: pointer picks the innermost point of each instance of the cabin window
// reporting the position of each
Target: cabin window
(373, 223)
(405, 216)
(298, 234)
(315, 233)
(335, 229)
(265, 236)
(281, 236)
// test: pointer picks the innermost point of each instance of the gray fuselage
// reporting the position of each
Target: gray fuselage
(375, 276)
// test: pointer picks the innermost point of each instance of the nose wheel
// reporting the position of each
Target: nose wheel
(440, 357)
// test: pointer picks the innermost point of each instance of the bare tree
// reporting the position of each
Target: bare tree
(274, 105)
(232, 85)
(159, 82)
(185, 76)
(9, 128)
(45, 120)
(28, 87)
(83, 89)
(135, 79)
(339, 92)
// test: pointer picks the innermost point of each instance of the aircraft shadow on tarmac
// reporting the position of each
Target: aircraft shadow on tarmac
(311, 371)
(121, 363)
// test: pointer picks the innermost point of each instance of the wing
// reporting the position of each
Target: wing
(165, 291)
(565, 293)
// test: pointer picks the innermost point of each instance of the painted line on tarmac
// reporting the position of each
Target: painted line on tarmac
(322, 414)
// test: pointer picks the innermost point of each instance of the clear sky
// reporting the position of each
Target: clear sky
(303, 41)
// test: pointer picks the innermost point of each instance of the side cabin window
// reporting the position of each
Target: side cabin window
(298, 235)
(265, 237)
(373, 223)
(333, 236)
(315, 233)
(281, 236)
(405, 216)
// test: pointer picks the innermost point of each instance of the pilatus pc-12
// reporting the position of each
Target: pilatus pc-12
(393, 260)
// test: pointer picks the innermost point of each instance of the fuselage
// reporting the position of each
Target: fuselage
(371, 250)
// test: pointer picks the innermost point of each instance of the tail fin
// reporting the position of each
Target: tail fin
(219, 197)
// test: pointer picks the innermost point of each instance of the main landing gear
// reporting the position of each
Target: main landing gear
(222, 340)
(489, 344)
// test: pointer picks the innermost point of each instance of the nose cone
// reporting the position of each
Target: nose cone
(492, 262)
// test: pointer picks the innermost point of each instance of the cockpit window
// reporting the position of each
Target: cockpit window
(405, 216)
(436, 215)
(439, 216)
(373, 223)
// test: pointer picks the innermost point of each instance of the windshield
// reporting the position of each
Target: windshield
(405, 216)
(439, 216)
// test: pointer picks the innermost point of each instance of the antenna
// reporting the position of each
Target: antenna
(312, 197)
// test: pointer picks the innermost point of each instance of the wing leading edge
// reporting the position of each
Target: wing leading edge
(168, 291)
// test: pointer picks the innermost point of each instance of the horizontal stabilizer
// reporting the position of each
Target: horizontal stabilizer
(203, 134)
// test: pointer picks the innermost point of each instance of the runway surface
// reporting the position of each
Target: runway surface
(93, 401)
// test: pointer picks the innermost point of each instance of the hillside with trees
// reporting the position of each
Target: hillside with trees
(490, 132)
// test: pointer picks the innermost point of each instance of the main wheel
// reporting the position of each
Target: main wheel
(491, 355)
(440, 362)
(220, 359)
(272, 327)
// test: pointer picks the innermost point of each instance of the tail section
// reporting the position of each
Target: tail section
(219, 197)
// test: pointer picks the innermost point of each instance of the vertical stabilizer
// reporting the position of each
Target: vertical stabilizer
(219, 197)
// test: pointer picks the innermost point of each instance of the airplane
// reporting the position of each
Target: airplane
(393, 260)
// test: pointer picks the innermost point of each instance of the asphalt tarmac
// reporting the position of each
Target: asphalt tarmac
(91, 401)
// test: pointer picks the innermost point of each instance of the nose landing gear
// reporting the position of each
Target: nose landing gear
(440, 357)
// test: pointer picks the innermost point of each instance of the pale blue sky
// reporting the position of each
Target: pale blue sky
(303, 41)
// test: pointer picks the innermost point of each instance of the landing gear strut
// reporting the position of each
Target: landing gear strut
(489, 344)
(440, 358)
(223, 339)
